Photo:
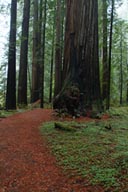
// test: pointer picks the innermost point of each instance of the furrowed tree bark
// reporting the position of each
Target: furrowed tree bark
(11, 76)
(40, 57)
(22, 85)
(43, 54)
(121, 71)
(127, 83)
(35, 64)
(81, 82)
(52, 63)
(58, 52)
(110, 55)
(105, 54)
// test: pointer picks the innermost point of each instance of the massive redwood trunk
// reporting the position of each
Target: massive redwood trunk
(110, 56)
(58, 52)
(11, 77)
(35, 63)
(22, 84)
(105, 52)
(81, 82)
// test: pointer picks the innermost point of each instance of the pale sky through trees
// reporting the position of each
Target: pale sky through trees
(5, 21)
(122, 10)
(4, 29)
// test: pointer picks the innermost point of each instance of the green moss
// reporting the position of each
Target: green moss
(98, 154)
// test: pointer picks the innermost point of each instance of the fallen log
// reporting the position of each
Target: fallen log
(64, 127)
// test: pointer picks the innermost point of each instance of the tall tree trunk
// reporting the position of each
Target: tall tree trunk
(51, 75)
(29, 80)
(121, 71)
(43, 54)
(127, 82)
(22, 86)
(105, 55)
(81, 63)
(110, 55)
(40, 59)
(35, 64)
(52, 64)
(58, 52)
(11, 78)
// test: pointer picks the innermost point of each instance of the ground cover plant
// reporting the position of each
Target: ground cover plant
(96, 151)
(7, 113)
(4, 113)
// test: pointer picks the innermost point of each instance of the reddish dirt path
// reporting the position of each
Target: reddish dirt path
(26, 164)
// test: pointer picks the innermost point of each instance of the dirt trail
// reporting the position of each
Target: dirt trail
(26, 164)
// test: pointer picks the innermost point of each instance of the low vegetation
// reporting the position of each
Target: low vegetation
(4, 113)
(97, 151)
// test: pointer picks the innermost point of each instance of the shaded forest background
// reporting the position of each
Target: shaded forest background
(37, 47)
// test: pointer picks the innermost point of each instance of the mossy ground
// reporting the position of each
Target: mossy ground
(94, 152)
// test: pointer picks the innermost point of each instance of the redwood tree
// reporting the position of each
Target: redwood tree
(81, 63)
(43, 53)
(105, 51)
(22, 86)
(110, 54)
(35, 63)
(11, 77)
(52, 63)
(58, 52)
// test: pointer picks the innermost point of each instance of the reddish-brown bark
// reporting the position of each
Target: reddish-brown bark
(26, 164)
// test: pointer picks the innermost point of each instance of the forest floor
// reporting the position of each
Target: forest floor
(27, 163)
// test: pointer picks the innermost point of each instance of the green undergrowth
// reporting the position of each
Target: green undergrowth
(93, 151)
(7, 113)
(4, 113)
